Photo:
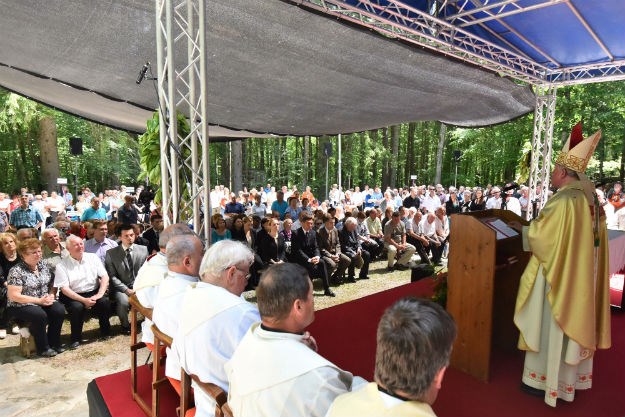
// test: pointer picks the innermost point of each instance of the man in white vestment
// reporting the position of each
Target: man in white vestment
(152, 273)
(276, 371)
(184, 255)
(214, 318)
(414, 342)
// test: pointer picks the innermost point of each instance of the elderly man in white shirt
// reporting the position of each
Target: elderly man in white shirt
(152, 273)
(276, 370)
(83, 281)
(431, 201)
(214, 318)
(494, 200)
(184, 255)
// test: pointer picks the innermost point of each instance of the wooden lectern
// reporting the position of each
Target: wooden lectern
(486, 261)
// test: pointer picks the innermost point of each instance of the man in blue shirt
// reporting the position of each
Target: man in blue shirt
(279, 206)
(25, 216)
(234, 207)
(95, 212)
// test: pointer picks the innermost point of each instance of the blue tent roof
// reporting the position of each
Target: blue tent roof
(557, 41)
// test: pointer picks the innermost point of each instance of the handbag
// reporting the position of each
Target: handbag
(27, 344)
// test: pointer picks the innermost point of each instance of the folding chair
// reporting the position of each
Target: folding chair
(219, 395)
(135, 308)
(160, 338)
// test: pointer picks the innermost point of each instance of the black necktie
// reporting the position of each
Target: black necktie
(130, 266)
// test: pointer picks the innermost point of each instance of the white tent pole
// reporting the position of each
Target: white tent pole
(340, 163)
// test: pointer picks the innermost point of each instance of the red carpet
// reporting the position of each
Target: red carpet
(345, 333)
(346, 336)
(117, 395)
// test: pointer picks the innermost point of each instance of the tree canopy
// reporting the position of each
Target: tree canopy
(387, 156)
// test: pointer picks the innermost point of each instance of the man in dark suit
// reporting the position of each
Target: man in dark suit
(152, 234)
(330, 248)
(122, 265)
(305, 252)
(350, 246)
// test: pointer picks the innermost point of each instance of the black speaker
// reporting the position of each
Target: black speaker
(75, 145)
(457, 154)
(327, 149)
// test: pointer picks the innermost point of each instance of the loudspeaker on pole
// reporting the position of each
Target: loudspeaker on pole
(75, 145)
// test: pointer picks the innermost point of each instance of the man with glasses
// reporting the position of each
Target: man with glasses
(25, 216)
(184, 255)
(214, 318)
(100, 244)
(431, 201)
(494, 201)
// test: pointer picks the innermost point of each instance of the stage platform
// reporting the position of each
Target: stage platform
(346, 336)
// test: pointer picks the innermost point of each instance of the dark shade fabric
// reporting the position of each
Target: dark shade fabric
(273, 67)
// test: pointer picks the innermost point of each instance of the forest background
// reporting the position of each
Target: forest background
(35, 150)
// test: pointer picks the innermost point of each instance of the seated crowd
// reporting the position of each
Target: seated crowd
(95, 267)
(331, 239)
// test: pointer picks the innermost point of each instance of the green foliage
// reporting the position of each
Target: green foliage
(495, 154)
(109, 156)
(150, 151)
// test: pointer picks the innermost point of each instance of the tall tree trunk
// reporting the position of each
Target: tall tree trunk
(245, 169)
(284, 163)
(362, 163)
(225, 163)
(237, 165)
(622, 167)
(385, 159)
(424, 161)
(374, 168)
(410, 157)
(305, 160)
(394, 155)
(439, 153)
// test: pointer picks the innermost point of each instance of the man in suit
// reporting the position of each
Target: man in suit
(330, 248)
(306, 252)
(350, 246)
(152, 234)
(122, 265)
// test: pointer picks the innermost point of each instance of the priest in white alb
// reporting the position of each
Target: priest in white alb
(214, 318)
(276, 370)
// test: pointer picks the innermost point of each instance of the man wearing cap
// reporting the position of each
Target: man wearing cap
(562, 308)
(494, 200)
(511, 203)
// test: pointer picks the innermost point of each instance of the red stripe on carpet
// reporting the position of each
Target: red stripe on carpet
(117, 394)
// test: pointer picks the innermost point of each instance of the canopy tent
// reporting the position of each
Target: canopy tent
(273, 68)
(557, 42)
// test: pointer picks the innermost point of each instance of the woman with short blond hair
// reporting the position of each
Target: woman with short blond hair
(31, 300)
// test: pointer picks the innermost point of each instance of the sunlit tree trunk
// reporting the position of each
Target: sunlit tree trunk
(394, 159)
(237, 165)
(49, 155)
(439, 153)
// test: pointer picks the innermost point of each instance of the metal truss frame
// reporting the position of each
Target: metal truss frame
(181, 25)
(181, 56)
(395, 19)
(542, 144)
